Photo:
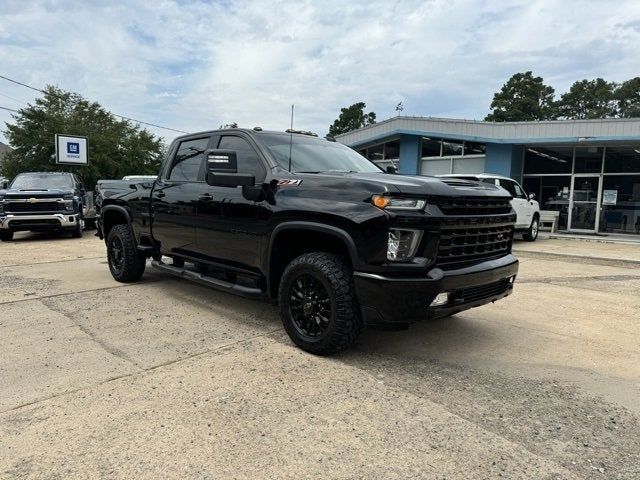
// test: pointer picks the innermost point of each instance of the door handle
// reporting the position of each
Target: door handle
(205, 197)
(160, 194)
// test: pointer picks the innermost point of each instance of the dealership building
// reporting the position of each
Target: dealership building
(587, 170)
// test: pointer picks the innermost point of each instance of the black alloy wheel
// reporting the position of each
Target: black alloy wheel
(318, 305)
(310, 305)
(116, 255)
(126, 262)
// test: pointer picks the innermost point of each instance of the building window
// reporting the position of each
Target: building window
(474, 148)
(375, 153)
(444, 147)
(392, 150)
(620, 204)
(548, 160)
(452, 148)
(588, 159)
(552, 193)
(431, 147)
(622, 159)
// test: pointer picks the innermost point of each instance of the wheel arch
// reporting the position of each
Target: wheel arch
(318, 237)
(113, 215)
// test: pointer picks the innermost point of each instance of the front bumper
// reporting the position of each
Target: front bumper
(38, 222)
(398, 301)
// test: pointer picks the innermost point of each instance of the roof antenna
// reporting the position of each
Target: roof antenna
(291, 138)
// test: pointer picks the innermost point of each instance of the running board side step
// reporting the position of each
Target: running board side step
(208, 281)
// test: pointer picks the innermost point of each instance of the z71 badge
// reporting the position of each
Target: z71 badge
(287, 182)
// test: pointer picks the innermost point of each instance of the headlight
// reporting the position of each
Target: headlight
(398, 203)
(68, 205)
(68, 196)
(403, 244)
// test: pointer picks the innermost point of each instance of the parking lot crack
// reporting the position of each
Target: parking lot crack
(107, 347)
(140, 370)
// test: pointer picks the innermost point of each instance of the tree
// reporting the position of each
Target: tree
(523, 98)
(589, 99)
(628, 97)
(116, 147)
(352, 118)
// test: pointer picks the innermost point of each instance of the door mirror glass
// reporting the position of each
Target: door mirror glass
(222, 170)
(392, 169)
(222, 161)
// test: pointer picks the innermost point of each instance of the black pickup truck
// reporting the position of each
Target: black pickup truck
(314, 226)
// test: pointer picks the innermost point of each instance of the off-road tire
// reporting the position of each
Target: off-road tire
(337, 279)
(130, 266)
(531, 234)
(6, 236)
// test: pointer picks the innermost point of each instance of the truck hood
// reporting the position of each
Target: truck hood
(409, 184)
(36, 193)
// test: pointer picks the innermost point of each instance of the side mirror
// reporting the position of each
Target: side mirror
(222, 170)
(5, 185)
(392, 169)
(532, 196)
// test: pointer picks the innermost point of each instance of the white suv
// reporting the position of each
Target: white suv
(527, 209)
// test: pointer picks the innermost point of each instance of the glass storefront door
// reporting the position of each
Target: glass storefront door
(584, 201)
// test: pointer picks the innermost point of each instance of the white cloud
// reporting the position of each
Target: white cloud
(196, 65)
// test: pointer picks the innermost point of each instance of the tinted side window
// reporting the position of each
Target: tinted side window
(508, 186)
(248, 160)
(519, 192)
(513, 188)
(189, 160)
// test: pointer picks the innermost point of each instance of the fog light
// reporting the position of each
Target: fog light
(441, 299)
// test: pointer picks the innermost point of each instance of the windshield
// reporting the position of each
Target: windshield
(41, 181)
(313, 155)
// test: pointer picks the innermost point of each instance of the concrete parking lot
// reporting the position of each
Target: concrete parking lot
(167, 379)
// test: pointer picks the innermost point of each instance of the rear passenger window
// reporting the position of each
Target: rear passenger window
(188, 160)
(248, 160)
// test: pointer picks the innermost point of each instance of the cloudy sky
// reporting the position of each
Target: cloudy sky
(193, 65)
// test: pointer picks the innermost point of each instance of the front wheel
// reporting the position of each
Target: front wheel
(532, 233)
(6, 236)
(318, 305)
(126, 263)
(77, 230)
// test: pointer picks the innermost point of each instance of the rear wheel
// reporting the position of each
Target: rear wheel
(318, 306)
(532, 233)
(6, 236)
(126, 263)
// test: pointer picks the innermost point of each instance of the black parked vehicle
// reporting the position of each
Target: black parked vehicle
(45, 201)
(313, 225)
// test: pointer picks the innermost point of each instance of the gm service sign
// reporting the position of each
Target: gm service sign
(71, 150)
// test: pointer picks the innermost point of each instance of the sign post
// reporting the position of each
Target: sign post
(71, 150)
